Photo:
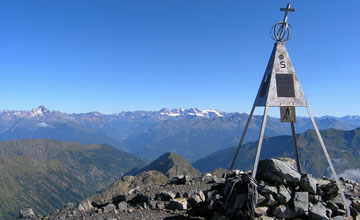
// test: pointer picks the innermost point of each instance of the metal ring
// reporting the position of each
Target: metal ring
(281, 31)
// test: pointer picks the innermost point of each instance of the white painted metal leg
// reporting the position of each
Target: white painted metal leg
(261, 137)
(329, 161)
(295, 146)
(242, 137)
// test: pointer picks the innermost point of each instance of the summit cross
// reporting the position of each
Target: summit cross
(287, 10)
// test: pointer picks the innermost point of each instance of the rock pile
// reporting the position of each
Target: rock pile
(283, 193)
(286, 194)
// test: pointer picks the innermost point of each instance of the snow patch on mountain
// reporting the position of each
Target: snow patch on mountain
(43, 124)
(212, 111)
(177, 112)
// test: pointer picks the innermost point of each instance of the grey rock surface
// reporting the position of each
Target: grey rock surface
(266, 188)
(165, 196)
(270, 200)
(282, 211)
(178, 204)
(301, 202)
(85, 205)
(283, 195)
(197, 198)
(27, 213)
(160, 205)
(122, 206)
(307, 183)
(262, 210)
(318, 211)
(278, 170)
(109, 208)
(261, 199)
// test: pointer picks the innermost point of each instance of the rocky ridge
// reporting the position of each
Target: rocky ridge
(171, 165)
(283, 193)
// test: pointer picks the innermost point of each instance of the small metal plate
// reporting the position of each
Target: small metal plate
(285, 85)
(288, 114)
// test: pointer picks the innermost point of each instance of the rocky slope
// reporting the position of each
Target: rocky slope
(283, 193)
(47, 174)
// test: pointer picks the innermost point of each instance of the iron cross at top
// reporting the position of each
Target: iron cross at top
(282, 31)
(287, 11)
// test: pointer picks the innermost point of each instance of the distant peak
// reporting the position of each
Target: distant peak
(171, 165)
(169, 155)
(41, 110)
(164, 110)
(96, 113)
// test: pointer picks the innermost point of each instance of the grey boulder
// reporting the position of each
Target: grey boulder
(307, 183)
(318, 211)
(122, 206)
(165, 196)
(278, 170)
(178, 204)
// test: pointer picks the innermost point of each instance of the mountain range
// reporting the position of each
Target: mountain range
(46, 174)
(192, 133)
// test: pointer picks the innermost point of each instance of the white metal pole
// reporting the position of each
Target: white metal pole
(329, 161)
(242, 137)
(295, 146)
(261, 137)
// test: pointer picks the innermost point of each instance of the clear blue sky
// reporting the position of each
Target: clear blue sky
(116, 55)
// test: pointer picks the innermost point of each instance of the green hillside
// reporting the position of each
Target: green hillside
(343, 147)
(46, 174)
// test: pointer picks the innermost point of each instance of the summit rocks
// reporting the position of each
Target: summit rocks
(151, 195)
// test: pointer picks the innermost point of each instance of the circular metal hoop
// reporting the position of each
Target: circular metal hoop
(281, 31)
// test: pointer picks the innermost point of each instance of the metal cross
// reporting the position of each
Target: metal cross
(287, 11)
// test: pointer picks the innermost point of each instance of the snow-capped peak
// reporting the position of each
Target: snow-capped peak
(172, 113)
(39, 111)
(213, 111)
(207, 113)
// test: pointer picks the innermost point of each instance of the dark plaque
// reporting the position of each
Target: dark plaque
(287, 114)
(285, 85)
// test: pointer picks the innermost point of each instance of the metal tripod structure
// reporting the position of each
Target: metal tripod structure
(280, 87)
